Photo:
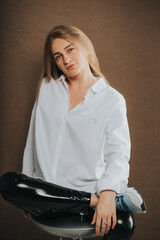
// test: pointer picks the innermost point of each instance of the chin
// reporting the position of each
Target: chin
(72, 75)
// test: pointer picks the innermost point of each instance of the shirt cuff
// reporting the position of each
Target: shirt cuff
(118, 187)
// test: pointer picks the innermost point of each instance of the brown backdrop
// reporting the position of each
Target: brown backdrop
(125, 34)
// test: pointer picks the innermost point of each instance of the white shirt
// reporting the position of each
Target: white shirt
(85, 149)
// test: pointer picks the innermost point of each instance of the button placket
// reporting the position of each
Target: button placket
(58, 148)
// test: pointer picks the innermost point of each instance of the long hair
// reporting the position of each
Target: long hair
(80, 40)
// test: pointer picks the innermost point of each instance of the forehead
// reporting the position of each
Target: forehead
(59, 44)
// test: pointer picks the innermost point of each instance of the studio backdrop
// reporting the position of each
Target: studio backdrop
(126, 36)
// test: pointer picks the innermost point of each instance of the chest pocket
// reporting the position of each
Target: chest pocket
(84, 129)
(89, 119)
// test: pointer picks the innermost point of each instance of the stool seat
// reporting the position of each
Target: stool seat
(75, 226)
(66, 225)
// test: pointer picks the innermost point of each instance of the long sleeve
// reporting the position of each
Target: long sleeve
(28, 156)
(116, 150)
(82, 149)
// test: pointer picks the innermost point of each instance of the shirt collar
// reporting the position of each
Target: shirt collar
(61, 78)
(98, 86)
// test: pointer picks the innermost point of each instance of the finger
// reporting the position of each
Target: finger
(103, 227)
(108, 225)
(94, 218)
(114, 218)
(98, 225)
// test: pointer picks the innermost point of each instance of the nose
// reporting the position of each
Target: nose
(66, 59)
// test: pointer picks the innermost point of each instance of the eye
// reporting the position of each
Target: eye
(70, 50)
(57, 57)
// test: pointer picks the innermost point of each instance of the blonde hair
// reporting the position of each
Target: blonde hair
(80, 40)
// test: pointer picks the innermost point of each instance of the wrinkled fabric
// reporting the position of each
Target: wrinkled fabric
(85, 149)
(41, 198)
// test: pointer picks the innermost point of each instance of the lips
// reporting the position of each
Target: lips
(70, 66)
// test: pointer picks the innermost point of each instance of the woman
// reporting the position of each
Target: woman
(78, 137)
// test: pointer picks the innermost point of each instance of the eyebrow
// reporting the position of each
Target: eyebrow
(64, 49)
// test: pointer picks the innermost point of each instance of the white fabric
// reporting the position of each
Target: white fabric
(85, 149)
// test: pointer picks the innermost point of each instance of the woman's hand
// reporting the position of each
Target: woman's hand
(104, 212)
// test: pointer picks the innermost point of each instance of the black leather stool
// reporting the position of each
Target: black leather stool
(69, 225)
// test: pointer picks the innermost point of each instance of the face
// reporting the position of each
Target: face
(69, 59)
